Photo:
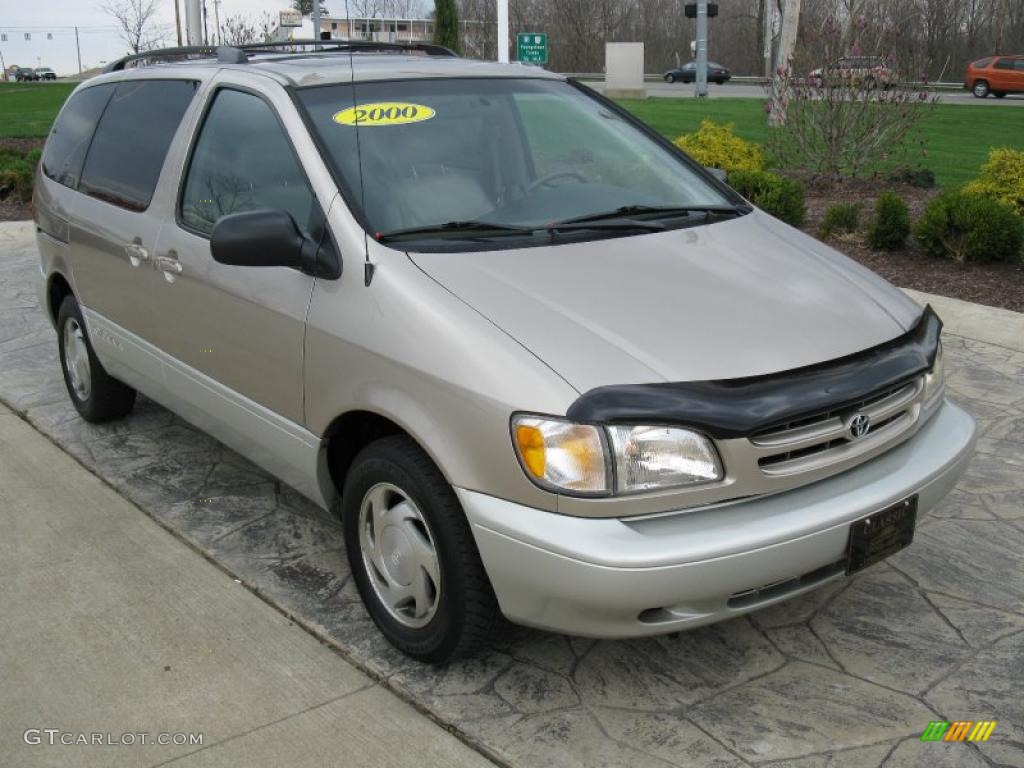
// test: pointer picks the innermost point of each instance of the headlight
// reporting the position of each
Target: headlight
(585, 459)
(649, 458)
(934, 382)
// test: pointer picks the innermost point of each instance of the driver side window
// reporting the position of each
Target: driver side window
(243, 161)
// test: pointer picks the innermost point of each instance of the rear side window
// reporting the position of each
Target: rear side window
(243, 161)
(1018, 64)
(72, 132)
(132, 140)
(1004, 64)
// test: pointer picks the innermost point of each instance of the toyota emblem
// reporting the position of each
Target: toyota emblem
(859, 424)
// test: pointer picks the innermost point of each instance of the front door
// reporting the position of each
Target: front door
(234, 336)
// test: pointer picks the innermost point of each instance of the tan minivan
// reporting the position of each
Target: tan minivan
(540, 361)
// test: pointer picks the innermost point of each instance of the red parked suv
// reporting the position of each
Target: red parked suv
(998, 75)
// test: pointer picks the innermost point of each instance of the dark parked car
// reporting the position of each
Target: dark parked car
(25, 74)
(688, 73)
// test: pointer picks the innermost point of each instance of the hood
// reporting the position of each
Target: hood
(738, 298)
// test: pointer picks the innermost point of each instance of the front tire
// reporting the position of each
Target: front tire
(412, 554)
(670, 78)
(96, 395)
(980, 89)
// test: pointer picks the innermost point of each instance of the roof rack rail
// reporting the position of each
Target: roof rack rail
(239, 54)
(348, 46)
(170, 54)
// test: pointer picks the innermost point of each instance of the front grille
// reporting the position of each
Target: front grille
(816, 441)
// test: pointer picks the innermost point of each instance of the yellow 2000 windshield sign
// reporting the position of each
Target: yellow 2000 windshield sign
(383, 113)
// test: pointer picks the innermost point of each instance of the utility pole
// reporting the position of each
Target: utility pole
(503, 31)
(216, 19)
(177, 21)
(78, 50)
(701, 80)
(193, 22)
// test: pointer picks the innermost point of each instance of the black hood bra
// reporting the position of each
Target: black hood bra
(730, 408)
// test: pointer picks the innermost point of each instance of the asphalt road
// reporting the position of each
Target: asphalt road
(660, 89)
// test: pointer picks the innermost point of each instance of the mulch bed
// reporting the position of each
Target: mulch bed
(995, 285)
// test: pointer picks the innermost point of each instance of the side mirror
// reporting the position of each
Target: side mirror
(719, 173)
(258, 239)
(270, 238)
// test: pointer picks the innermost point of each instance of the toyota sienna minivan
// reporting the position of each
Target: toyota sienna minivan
(541, 362)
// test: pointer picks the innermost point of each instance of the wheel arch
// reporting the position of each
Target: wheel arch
(351, 432)
(58, 288)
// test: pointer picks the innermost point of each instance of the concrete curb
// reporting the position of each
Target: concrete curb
(992, 325)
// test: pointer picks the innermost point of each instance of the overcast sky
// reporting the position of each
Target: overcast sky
(97, 33)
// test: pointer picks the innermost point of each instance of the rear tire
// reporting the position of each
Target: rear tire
(412, 553)
(96, 395)
(980, 89)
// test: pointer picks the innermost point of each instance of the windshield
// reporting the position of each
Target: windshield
(516, 153)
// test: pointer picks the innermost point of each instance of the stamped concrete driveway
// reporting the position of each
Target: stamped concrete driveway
(849, 675)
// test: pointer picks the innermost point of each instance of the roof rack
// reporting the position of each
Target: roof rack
(240, 54)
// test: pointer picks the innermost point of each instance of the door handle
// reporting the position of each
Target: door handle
(169, 265)
(136, 254)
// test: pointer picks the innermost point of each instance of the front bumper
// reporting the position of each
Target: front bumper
(619, 578)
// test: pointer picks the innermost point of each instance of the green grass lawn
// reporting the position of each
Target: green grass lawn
(958, 136)
(28, 109)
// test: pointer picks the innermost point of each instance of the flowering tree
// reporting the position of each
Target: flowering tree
(842, 107)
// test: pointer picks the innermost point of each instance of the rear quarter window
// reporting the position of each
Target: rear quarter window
(73, 130)
(981, 63)
(132, 139)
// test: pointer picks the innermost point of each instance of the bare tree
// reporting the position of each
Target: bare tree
(135, 22)
(239, 29)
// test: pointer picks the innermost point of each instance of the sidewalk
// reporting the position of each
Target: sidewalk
(108, 624)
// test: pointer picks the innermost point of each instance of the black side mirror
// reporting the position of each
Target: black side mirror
(270, 238)
(719, 173)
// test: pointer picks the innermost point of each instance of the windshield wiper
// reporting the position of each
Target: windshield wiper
(660, 211)
(458, 228)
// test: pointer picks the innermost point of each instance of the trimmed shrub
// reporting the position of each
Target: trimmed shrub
(1002, 176)
(16, 171)
(841, 218)
(781, 197)
(968, 226)
(716, 146)
(891, 226)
